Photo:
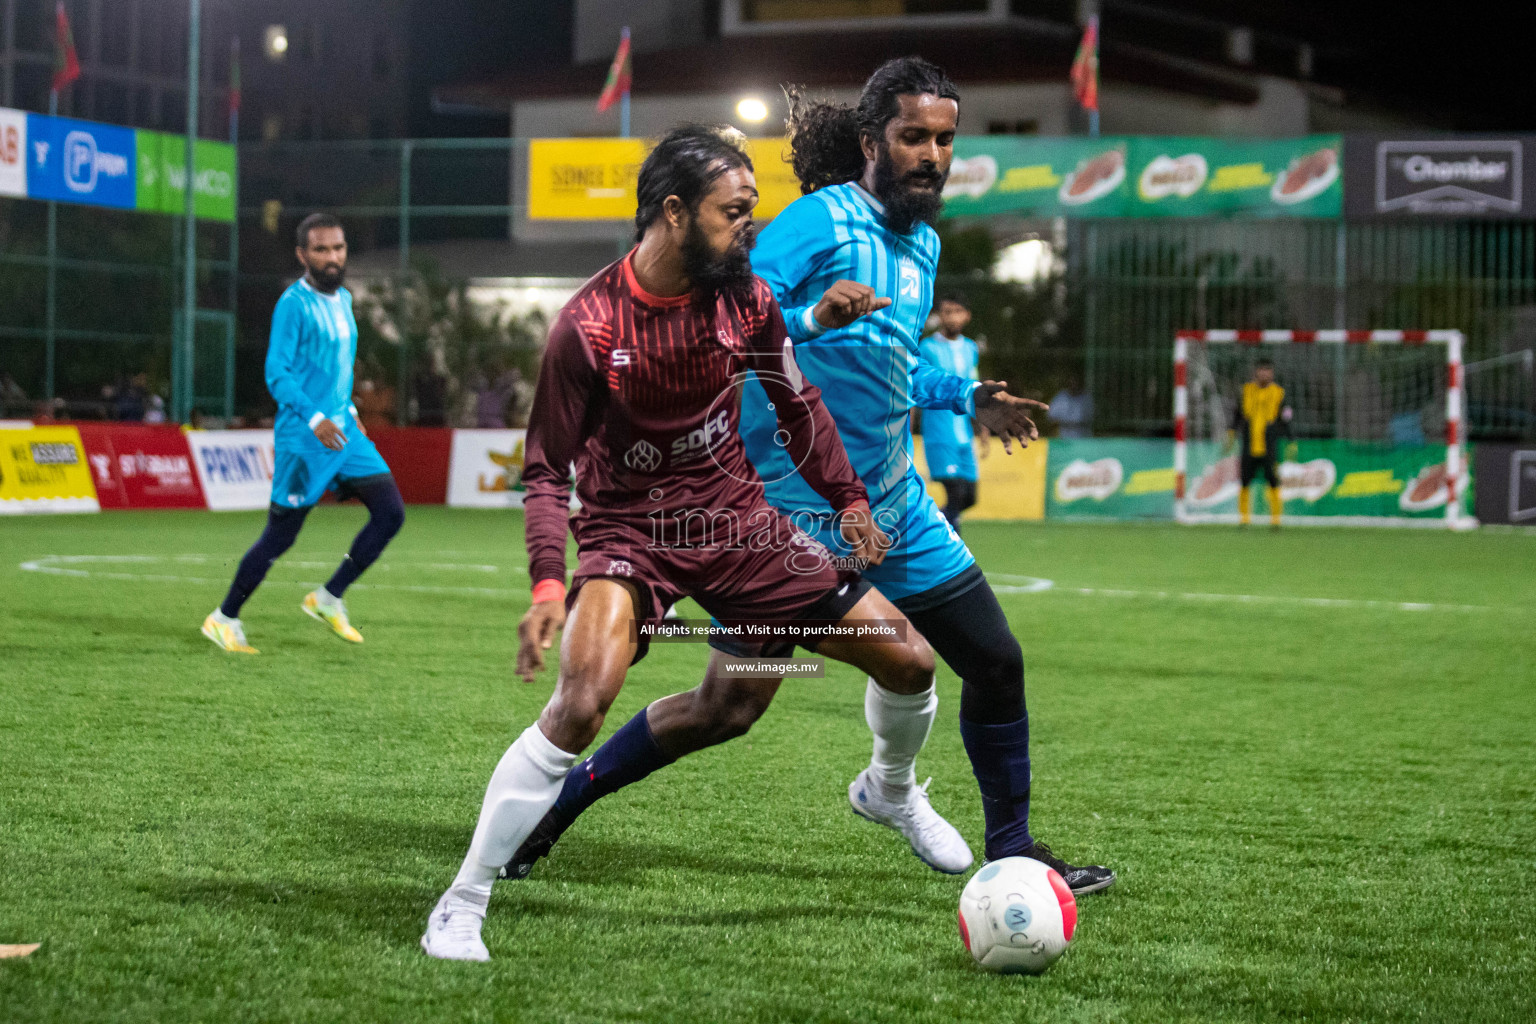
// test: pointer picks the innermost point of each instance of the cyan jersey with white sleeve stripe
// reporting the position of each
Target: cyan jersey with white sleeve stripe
(870, 373)
(960, 357)
(310, 359)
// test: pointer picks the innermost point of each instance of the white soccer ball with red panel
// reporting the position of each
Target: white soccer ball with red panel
(1017, 916)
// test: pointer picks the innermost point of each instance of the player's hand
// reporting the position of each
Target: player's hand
(1007, 415)
(982, 442)
(536, 634)
(860, 532)
(845, 302)
(330, 435)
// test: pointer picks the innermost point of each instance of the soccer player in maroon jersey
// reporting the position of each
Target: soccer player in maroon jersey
(638, 390)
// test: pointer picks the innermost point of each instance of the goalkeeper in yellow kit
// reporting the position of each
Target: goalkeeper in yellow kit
(1260, 418)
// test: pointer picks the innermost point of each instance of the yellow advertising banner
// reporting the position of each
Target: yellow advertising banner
(43, 469)
(594, 179)
(1008, 486)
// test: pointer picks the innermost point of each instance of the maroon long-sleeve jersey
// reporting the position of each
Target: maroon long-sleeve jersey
(641, 393)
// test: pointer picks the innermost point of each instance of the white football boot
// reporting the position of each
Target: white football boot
(936, 842)
(453, 930)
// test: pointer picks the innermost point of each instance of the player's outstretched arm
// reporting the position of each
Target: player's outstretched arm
(557, 425)
(1007, 415)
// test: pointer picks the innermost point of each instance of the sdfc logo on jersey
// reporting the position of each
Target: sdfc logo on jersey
(621, 357)
(911, 280)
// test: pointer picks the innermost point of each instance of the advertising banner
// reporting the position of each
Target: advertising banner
(1007, 486)
(486, 469)
(43, 469)
(1506, 483)
(1439, 178)
(13, 152)
(1146, 176)
(80, 162)
(1342, 481)
(1113, 478)
(1200, 177)
(419, 458)
(594, 179)
(234, 467)
(141, 466)
(162, 168)
(1037, 177)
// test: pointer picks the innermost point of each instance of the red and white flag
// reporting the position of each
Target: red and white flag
(620, 76)
(1085, 67)
(66, 63)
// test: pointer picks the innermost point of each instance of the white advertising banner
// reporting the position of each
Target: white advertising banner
(486, 470)
(235, 467)
(13, 152)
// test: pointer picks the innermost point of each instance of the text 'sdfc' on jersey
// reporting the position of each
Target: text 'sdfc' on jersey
(1261, 417)
(642, 394)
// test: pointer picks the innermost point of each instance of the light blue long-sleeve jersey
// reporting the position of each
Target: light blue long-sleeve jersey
(310, 358)
(941, 426)
(870, 373)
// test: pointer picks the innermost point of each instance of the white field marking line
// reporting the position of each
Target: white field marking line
(60, 565)
(1033, 585)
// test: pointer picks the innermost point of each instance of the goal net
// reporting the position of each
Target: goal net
(1376, 417)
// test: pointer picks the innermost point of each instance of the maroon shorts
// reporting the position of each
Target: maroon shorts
(763, 572)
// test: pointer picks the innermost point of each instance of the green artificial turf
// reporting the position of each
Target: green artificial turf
(1320, 811)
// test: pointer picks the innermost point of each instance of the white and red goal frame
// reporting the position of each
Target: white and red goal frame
(1452, 340)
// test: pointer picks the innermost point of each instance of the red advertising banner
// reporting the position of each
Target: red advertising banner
(418, 457)
(137, 466)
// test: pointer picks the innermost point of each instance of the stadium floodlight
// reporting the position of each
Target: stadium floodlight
(277, 42)
(752, 109)
(1371, 387)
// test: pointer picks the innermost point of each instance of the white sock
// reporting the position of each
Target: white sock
(524, 786)
(327, 598)
(900, 722)
(219, 616)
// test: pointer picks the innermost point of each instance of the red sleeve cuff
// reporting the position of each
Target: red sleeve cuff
(548, 590)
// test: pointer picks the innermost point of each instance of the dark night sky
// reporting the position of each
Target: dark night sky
(1464, 68)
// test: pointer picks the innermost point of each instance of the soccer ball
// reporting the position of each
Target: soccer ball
(1017, 916)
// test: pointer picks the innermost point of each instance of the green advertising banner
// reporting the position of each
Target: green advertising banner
(1146, 176)
(1111, 478)
(1037, 177)
(1199, 177)
(162, 168)
(1339, 480)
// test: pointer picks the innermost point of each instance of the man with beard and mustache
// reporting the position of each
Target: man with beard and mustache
(861, 239)
(639, 389)
(319, 443)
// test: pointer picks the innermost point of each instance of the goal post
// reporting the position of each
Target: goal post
(1357, 396)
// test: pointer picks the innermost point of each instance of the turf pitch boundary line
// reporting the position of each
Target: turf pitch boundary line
(1002, 583)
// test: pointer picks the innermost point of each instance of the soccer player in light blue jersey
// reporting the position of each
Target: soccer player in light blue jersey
(949, 439)
(320, 444)
(852, 264)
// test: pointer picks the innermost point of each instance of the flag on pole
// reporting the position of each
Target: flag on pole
(234, 76)
(1085, 67)
(66, 63)
(620, 76)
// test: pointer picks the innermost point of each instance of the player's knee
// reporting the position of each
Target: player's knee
(576, 715)
(912, 671)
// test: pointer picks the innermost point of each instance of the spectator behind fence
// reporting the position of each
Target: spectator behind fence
(155, 411)
(494, 390)
(131, 399)
(1072, 409)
